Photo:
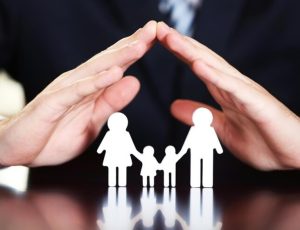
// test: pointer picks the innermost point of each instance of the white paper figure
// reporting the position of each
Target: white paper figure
(118, 145)
(117, 215)
(149, 165)
(168, 207)
(202, 140)
(168, 165)
(201, 210)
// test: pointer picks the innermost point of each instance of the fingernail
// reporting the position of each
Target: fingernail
(164, 24)
(148, 23)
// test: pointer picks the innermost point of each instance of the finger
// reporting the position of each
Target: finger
(246, 97)
(122, 54)
(189, 50)
(232, 85)
(126, 54)
(183, 111)
(163, 30)
(199, 45)
(115, 98)
(146, 34)
(118, 57)
(58, 102)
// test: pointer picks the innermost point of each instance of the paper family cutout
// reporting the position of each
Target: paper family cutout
(117, 212)
(201, 141)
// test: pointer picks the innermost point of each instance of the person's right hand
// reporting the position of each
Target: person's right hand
(69, 113)
(256, 127)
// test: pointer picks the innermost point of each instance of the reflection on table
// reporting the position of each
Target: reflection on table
(117, 212)
(89, 208)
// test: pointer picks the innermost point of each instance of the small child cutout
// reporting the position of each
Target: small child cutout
(168, 165)
(150, 165)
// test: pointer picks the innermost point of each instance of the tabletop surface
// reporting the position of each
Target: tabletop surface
(101, 207)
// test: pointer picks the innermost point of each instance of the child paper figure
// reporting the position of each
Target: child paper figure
(168, 165)
(202, 140)
(118, 145)
(168, 207)
(149, 165)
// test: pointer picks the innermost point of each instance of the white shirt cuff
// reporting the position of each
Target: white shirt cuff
(2, 117)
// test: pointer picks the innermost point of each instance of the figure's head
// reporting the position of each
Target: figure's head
(202, 117)
(170, 150)
(117, 121)
(148, 150)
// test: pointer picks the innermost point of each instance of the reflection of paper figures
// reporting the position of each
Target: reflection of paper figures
(168, 208)
(149, 165)
(118, 145)
(117, 214)
(168, 165)
(202, 209)
(202, 140)
(201, 213)
(149, 207)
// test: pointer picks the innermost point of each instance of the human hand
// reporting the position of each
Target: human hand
(69, 113)
(253, 125)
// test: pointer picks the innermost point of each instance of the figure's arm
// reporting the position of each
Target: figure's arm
(132, 148)
(180, 155)
(135, 220)
(216, 142)
(138, 155)
(186, 144)
(102, 145)
(159, 165)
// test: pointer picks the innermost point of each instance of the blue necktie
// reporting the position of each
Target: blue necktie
(182, 13)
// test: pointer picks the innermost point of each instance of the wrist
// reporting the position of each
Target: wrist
(3, 145)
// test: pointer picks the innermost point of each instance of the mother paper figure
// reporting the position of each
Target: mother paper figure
(118, 145)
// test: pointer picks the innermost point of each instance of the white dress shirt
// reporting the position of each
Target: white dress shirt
(182, 13)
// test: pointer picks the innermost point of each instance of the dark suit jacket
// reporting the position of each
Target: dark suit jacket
(40, 39)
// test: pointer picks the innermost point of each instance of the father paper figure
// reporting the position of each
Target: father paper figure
(202, 140)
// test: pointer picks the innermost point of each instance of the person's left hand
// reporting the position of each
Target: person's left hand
(253, 125)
